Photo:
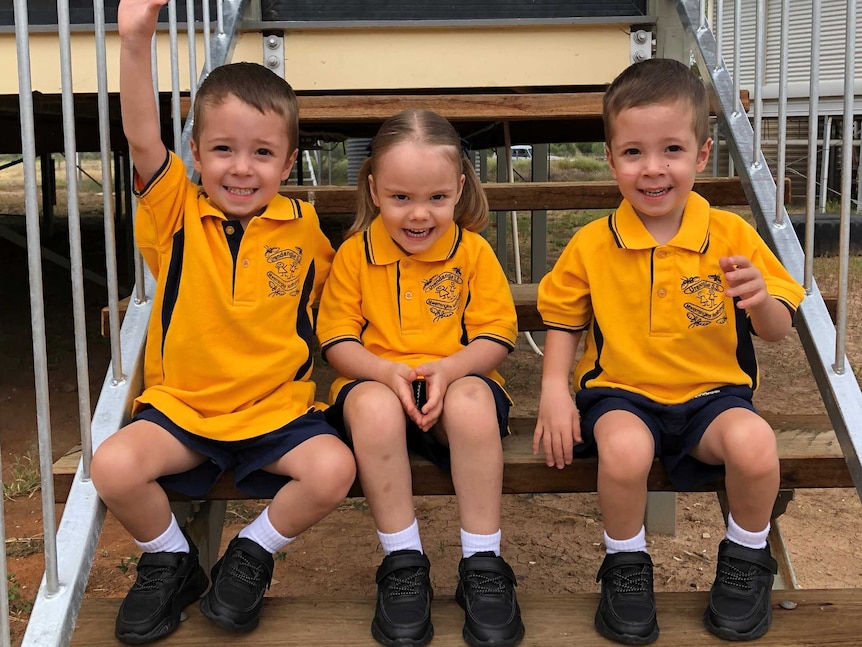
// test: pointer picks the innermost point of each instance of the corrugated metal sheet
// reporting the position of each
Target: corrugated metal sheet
(832, 41)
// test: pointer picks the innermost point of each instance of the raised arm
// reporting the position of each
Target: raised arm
(136, 20)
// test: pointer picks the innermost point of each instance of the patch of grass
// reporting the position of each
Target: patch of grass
(24, 546)
(126, 563)
(18, 604)
(560, 227)
(25, 479)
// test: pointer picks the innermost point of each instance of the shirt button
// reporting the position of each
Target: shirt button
(229, 230)
(661, 253)
(245, 262)
(405, 264)
(408, 295)
(662, 293)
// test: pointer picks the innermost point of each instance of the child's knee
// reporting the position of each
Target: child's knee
(113, 468)
(334, 471)
(625, 455)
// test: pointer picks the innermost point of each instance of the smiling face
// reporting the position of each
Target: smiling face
(242, 156)
(654, 156)
(416, 187)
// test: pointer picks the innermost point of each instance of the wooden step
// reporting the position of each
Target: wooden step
(457, 106)
(820, 617)
(529, 196)
(807, 447)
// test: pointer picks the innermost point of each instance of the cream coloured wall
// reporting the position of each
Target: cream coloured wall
(357, 59)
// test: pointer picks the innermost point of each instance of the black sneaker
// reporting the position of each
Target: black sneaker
(166, 584)
(240, 579)
(740, 606)
(486, 592)
(403, 612)
(626, 610)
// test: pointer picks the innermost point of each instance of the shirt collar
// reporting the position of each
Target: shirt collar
(629, 232)
(279, 208)
(380, 249)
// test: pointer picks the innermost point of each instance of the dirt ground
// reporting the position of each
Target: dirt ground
(552, 541)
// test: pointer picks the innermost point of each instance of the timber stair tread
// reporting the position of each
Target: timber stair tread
(532, 196)
(550, 620)
(808, 449)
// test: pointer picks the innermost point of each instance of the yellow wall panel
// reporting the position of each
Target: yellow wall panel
(354, 59)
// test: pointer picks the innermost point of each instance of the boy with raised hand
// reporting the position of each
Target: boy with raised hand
(228, 355)
(668, 291)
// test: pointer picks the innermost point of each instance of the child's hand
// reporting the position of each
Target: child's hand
(436, 384)
(745, 281)
(558, 427)
(138, 18)
(400, 380)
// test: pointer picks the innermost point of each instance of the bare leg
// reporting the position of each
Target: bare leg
(745, 444)
(626, 451)
(377, 425)
(469, 425)
(124, 471)
(322, 469)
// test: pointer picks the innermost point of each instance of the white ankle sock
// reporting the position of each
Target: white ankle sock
(407, 539)
(633, 545)
(262, 532)
(472, 544)
(743, 537)
(171, 540)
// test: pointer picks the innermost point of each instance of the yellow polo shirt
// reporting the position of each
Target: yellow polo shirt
(416, 308)
(657, 318)
(228, 352)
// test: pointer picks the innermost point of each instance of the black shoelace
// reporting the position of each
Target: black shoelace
(733, 576)
(406, 585)
(487, 583)
(247, 571)
(150, 578)
(632, 580)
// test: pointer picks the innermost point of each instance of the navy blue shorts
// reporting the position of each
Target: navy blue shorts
(245, 457)
(675, 428)
(418, 441)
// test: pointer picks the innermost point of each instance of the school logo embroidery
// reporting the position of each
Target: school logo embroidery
(445, 289)
(283, 277)
(707, 306)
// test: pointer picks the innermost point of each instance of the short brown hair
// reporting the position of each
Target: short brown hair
(254, 85)
(657, 81)
(425, 127)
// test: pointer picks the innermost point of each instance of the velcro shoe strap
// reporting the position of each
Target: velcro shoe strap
(395, 562)
(638, 558)
(487, 564)
(161, 560)
(757, 556)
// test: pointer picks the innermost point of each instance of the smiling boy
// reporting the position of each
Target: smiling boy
(228, 353)
(668, 292)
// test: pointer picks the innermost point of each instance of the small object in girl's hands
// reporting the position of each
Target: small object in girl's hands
(420, 397)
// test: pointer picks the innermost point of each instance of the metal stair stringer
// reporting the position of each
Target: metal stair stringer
(840, 391)
(52, 620)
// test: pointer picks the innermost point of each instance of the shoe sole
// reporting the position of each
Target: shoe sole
(227, 623)
(729, 634)
(473, 641)
(383, 639)
(199, 584)
(628, 639)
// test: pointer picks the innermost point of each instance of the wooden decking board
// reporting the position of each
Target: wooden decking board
(456, 106)
(822, 617)
(809, 452)
(528, 196)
